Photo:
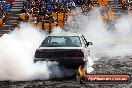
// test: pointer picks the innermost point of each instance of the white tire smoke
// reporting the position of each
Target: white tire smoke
(17, 51)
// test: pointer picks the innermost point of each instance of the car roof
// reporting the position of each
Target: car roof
(66, 34)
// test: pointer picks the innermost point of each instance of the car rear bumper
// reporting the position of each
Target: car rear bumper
(67, 62)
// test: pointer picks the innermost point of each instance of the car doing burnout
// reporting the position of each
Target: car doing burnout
(68, 50)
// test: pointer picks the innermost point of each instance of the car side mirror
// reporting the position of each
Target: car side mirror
(89, 43)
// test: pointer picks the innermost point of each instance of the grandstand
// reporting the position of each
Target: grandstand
(47, 14)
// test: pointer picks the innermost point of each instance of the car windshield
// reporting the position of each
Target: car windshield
(61, 41)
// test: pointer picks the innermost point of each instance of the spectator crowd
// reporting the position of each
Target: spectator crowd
(4, 8)
(41, 12)
(56, 11)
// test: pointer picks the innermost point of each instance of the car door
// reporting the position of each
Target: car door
(86, 48)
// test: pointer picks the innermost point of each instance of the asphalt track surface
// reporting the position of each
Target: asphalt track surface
(105, 65)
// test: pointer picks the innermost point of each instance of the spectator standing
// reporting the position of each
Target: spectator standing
(5, 6)
(71, 5)
(26, 5)
(49, 5)
(78, 2)
(116, 2)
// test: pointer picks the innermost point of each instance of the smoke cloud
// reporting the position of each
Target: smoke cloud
(17, 51)
(112, 39)
(17, 48)
(109, 40)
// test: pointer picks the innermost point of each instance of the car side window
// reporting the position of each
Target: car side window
(76, 40)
